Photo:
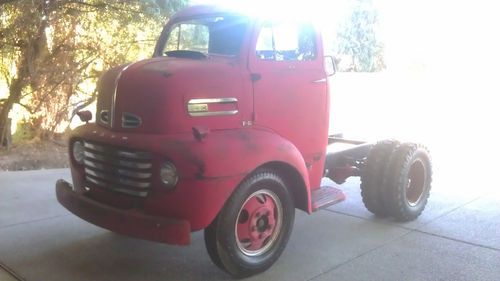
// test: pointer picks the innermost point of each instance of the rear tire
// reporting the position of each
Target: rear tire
(408, 181)
(372, 178)
(252, 229)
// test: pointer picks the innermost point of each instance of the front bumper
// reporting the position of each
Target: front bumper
(133, 222)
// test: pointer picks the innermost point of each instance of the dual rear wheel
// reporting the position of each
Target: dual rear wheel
(396, 180)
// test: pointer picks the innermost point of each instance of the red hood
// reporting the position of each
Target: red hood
(157, 91)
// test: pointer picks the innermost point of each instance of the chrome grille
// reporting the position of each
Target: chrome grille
(117, 169)
(130, 120)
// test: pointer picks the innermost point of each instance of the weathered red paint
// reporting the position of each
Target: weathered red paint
(282, 118)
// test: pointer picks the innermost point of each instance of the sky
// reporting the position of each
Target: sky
(440, 35)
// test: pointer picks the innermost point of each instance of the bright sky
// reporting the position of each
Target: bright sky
(437, 34)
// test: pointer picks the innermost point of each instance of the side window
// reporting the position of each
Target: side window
(286, 42)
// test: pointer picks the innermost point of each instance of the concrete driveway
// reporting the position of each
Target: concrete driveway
(457, 238)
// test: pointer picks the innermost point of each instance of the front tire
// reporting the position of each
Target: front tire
(253, 227)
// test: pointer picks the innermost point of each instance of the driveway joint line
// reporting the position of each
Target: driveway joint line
(32, 221)
(359, 256)
(457, 240)
(11, 272)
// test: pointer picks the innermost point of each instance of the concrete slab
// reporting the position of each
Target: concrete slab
(441, 202)
(29, 196)
(477, 223)
(66, 246)
(5, 275)
(40, 240)
(421, 257)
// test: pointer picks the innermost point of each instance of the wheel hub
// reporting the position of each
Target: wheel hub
(416, 183)
(258, 223)
(262, 224)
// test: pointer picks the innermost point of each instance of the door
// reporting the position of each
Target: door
(290, 89)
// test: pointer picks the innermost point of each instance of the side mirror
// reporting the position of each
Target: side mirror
(330, 67)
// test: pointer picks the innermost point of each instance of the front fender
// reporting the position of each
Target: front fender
(209, 169)
(239, 152)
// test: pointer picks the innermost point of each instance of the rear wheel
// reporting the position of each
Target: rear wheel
(372, 178)
(253, 228)
(408, 181)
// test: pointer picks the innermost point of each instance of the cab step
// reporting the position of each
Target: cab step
(326, 196)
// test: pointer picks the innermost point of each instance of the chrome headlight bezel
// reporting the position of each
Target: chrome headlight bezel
(77, 150)
(168, 174)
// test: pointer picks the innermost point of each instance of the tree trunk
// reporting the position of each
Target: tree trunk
(25, 69)
(15, 91)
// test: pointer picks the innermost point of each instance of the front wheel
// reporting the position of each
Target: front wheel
(254, 226)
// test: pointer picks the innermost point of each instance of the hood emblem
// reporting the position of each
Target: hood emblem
(130, 120)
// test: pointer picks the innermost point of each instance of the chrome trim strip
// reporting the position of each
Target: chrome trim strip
(214, 100)
(113, 99)
(213, 113)
(117, 189)
(123, 172)
(115, 152)
(128, 164)
(209, 101)
(323, 80)
(113, 179)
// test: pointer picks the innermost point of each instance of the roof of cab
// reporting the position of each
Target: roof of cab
(198, 10)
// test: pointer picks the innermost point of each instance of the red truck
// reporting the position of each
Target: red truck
(225, 129)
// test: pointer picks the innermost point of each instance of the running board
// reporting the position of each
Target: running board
(326, 196)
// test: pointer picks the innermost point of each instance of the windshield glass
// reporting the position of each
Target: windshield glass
(208, 35)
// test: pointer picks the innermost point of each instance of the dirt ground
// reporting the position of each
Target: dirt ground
(34, 155)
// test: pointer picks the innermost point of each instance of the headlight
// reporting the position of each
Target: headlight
(168, 174)
(78, 152)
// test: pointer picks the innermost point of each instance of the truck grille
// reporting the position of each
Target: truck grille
(119, 170)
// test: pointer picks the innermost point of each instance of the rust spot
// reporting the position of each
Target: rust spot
(187, 153)
(249, 143)
(166, 74)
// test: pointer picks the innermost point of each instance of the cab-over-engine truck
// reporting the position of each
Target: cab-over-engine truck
(226, 129)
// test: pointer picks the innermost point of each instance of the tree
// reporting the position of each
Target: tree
(358, 40)
(53, 51)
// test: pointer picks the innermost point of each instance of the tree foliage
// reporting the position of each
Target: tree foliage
(357, 39)
(53, 51)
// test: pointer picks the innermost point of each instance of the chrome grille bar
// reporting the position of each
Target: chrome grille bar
(117, 180)
(116, 188)
(114, 161)
(121, 170)
(120, 153)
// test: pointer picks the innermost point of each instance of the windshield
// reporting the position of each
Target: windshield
(208, 35)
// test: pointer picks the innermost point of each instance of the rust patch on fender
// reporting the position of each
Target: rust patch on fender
(185, 152)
